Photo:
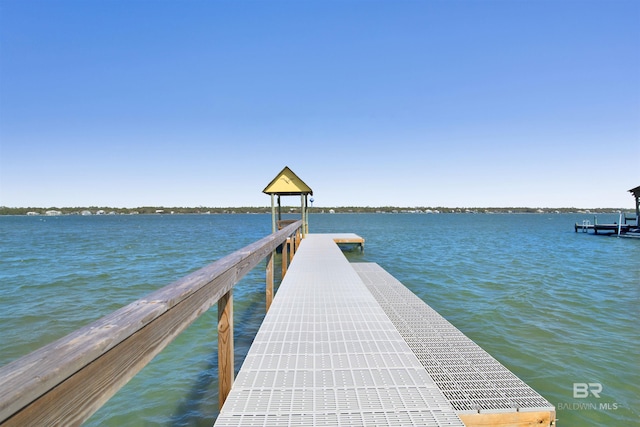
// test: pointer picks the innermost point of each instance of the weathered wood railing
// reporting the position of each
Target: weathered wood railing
(64, 382)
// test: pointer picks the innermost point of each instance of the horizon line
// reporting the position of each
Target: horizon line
(308, 207)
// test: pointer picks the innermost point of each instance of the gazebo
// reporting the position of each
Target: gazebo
(287, 183)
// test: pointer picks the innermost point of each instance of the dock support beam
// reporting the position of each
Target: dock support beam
(225, 346)
(509, 419)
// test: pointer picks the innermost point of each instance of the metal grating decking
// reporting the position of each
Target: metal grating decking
(328, 355)
(471, 379)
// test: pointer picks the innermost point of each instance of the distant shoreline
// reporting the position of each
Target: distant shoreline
(161, 210)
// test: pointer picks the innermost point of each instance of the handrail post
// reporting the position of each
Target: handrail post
(225, 346)
(292, 247)
(285, 245)
(269, 296)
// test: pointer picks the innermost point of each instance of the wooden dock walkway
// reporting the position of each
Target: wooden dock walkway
(348, 345)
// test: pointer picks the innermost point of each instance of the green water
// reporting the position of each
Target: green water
(556, 307)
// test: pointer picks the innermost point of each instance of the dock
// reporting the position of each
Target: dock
(342, 344)
(622, 229)
(348, 345)
(627, 226)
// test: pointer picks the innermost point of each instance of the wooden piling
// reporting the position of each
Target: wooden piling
(225, 346)
(269, 280)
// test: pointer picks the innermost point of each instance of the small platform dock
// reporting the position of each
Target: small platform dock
(596, 228)
(627, 226)
(348, 345)
(348, 239)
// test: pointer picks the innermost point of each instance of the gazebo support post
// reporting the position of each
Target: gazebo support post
(304, 215)
(279, 209)
(273, 214)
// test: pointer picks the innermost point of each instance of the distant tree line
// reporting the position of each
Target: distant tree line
(162, 210)
(142, 210)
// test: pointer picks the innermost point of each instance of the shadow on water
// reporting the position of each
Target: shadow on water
(195, 409)
(200, 406)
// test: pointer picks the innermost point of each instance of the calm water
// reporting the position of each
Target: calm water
(556, 307)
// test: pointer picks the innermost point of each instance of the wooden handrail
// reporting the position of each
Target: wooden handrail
(65, 382)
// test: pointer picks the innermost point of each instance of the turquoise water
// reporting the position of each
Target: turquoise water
(556, 307)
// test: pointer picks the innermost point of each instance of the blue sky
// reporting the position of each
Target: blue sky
(372, 103)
